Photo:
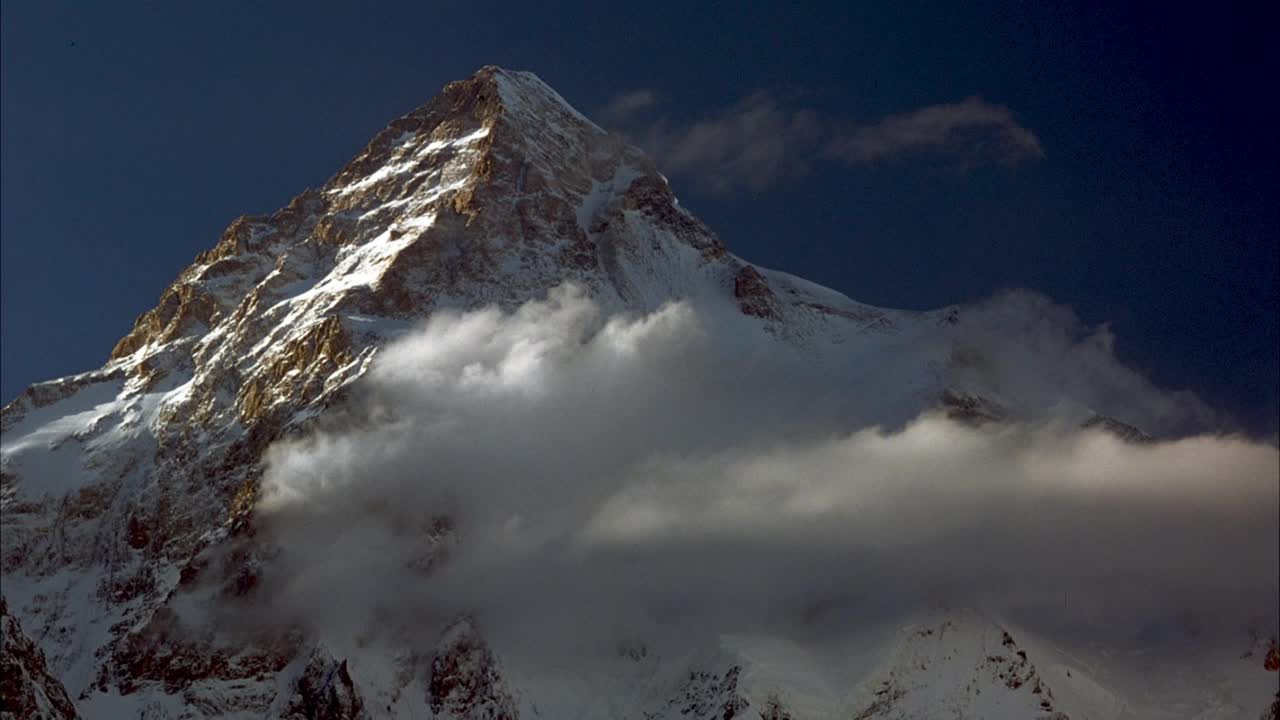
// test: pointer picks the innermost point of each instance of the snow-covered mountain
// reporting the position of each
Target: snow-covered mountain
(128, 492)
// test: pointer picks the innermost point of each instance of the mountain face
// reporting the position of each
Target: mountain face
(128, 492)
(25, 683)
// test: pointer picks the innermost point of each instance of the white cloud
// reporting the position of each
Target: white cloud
(671, 472)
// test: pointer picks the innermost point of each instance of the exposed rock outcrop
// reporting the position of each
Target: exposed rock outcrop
(465, 681)
(753, 294)
(1124, 431)
(971, 409)
(27, 688)
(325, 691)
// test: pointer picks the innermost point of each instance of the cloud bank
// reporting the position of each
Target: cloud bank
(572, 480)
(759, 140)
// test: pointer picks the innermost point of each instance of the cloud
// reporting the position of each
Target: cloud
(753, 143)
(623, 106)
(759, 141)
(572, 479)
(972, 129)
(1036, 357)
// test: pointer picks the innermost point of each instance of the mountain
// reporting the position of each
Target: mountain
(128, 492)
(27, 688)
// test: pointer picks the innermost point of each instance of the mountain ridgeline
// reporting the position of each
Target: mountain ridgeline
(130, 493)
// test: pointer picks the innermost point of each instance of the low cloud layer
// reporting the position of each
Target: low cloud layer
(571, 479)
(761, 140)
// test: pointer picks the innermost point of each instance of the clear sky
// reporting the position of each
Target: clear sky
(134, 133)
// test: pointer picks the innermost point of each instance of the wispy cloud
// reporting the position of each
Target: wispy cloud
(760, 140)
(625, 105)
(972, 128)
(753, 143)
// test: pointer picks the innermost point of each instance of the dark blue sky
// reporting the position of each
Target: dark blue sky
(1154, 207)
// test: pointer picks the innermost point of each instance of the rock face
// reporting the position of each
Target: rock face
(962, 666)
(465, 679)
(1124, 431)
(325, 691)
(971, 409)
(127, 492)
(27, 689)
(753, 294)
(711, 696)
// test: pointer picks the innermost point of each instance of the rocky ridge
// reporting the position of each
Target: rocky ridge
(27, 689)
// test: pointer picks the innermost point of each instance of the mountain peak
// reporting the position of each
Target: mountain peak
(512, 111)
(522, 91)
(492, 192)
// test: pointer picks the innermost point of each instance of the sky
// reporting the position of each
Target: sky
(1120, 161)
